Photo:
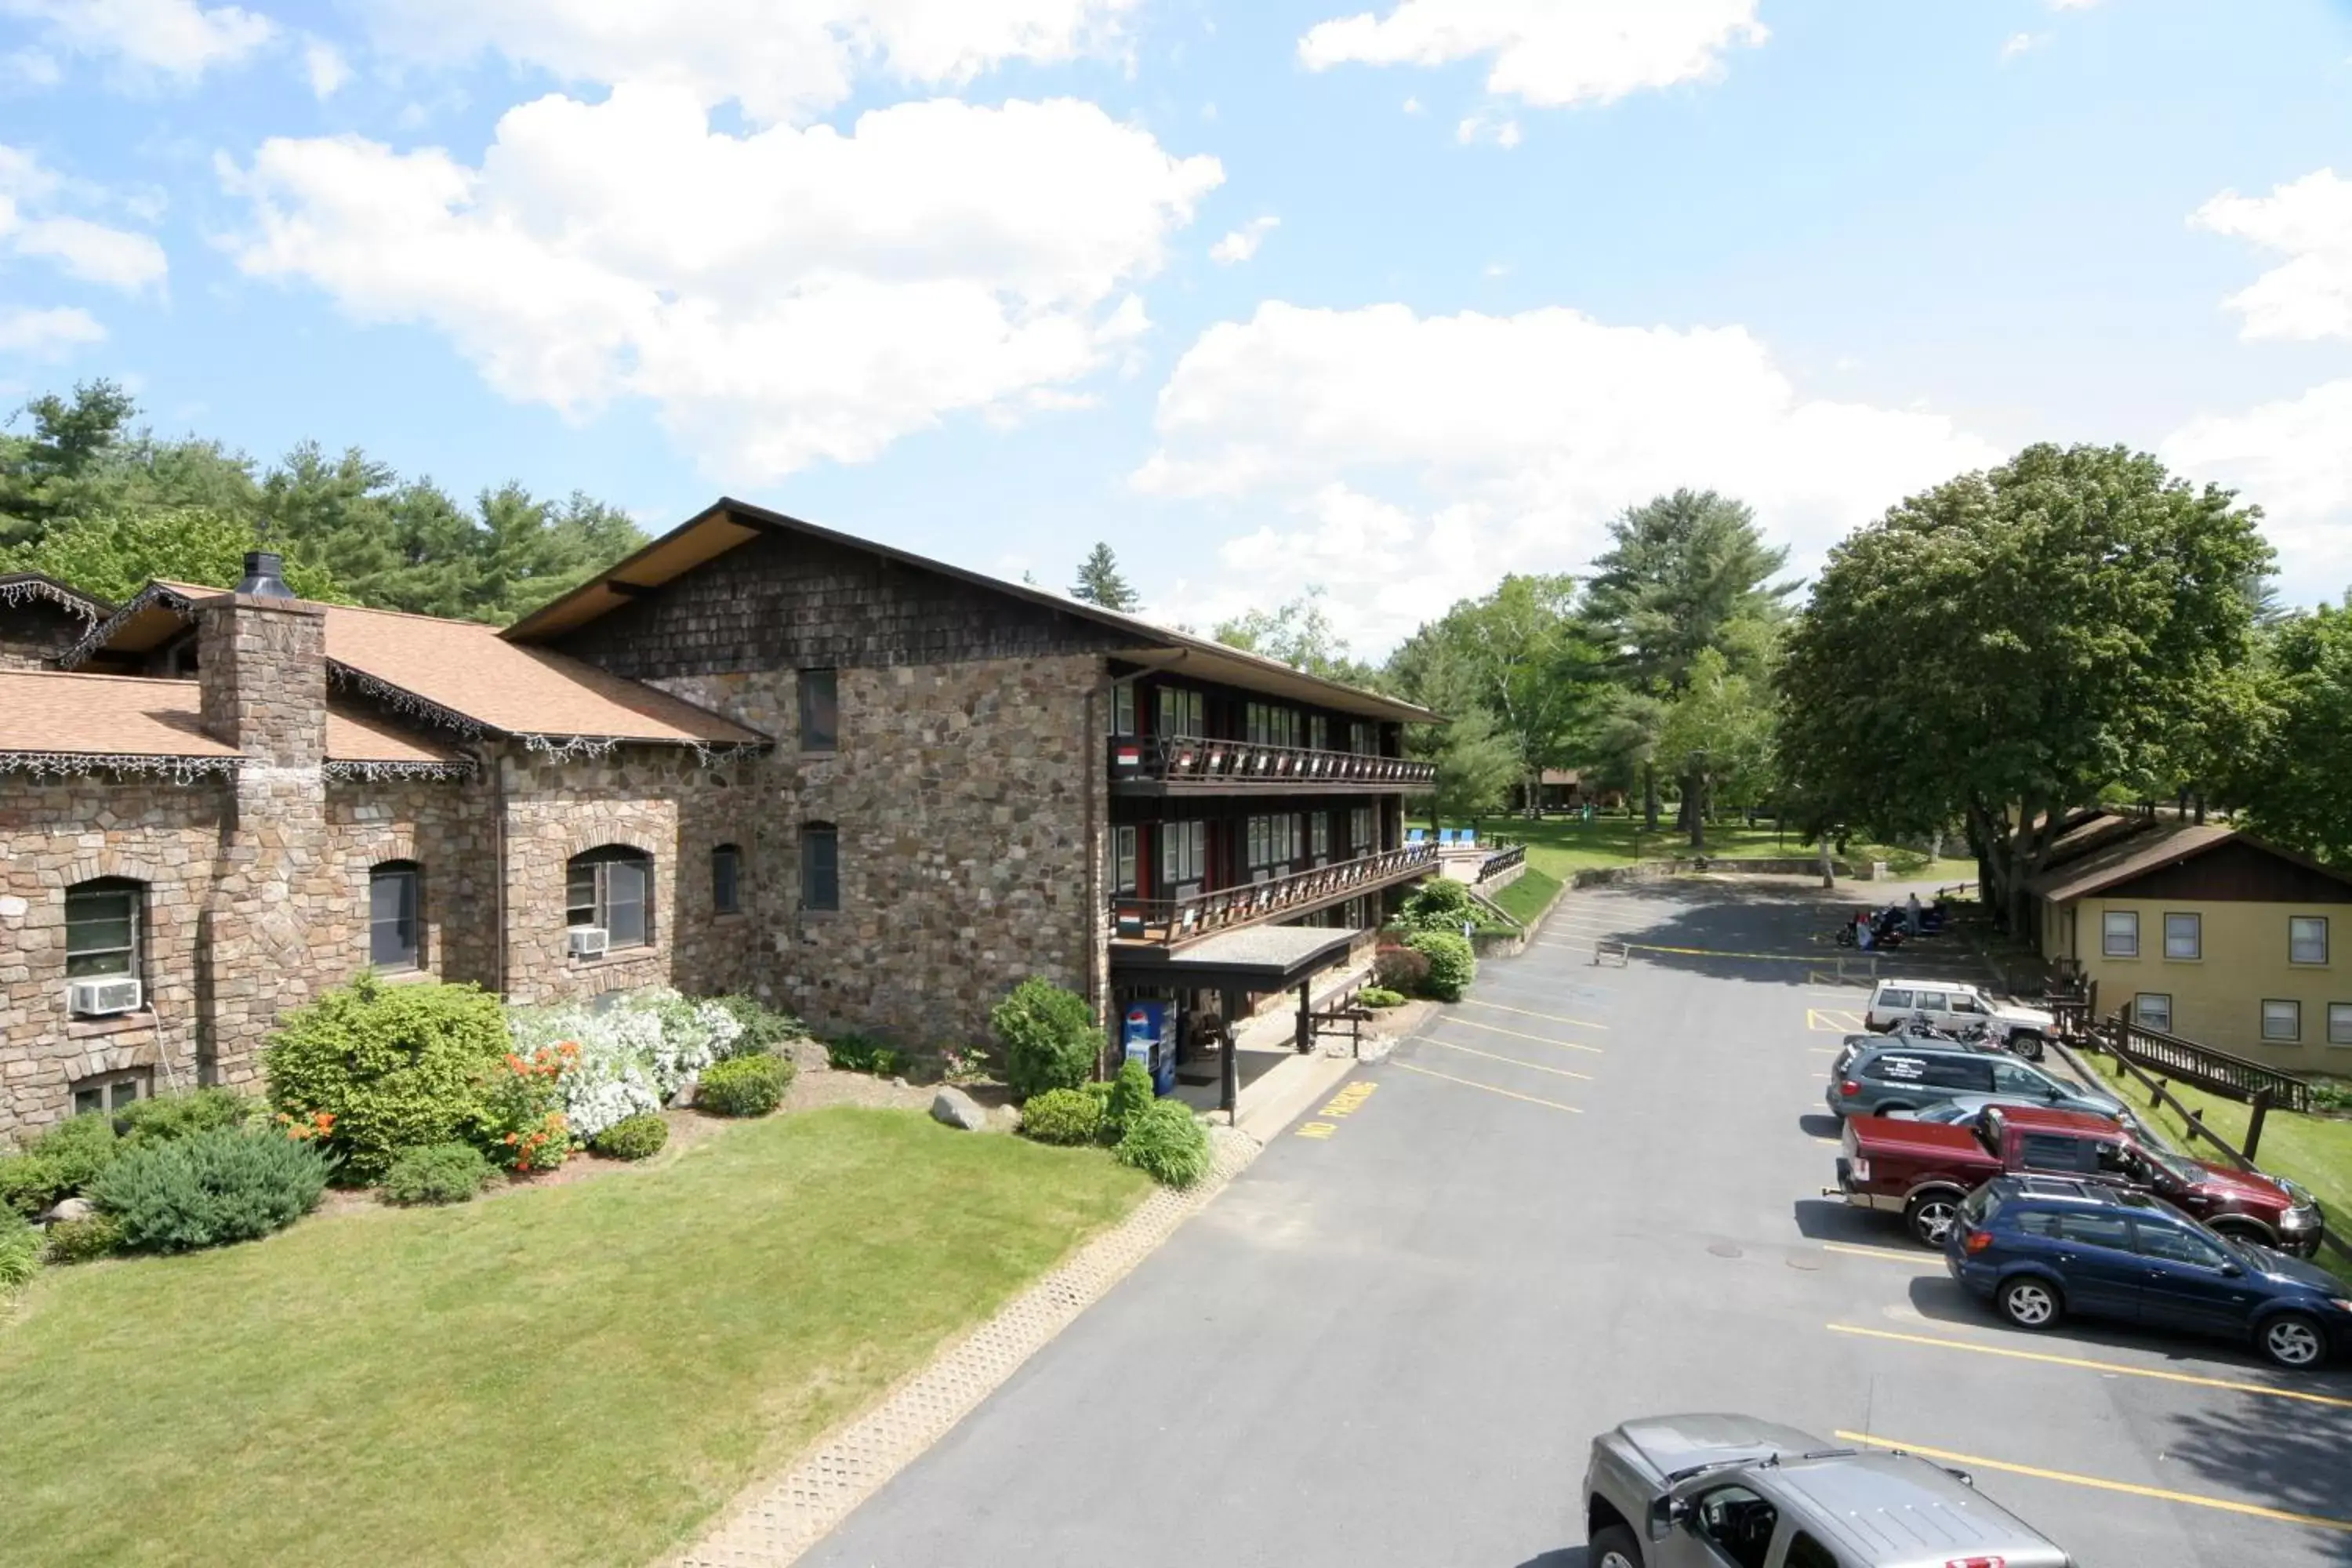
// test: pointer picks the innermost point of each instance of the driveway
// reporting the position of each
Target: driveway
(1586, 1193)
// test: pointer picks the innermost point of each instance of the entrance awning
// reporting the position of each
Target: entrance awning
(1255, 958)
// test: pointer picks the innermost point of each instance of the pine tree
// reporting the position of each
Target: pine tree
(1099, 582)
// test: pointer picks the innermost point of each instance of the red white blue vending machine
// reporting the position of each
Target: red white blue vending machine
(1147, 1038)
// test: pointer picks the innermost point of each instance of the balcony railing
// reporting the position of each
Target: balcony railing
(1189, 759)
(1179, 920)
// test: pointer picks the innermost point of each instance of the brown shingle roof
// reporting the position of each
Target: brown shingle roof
(2159, 844)
(47, 711)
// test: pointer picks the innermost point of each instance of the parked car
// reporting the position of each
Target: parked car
(1914, 1032)
(1699, 1491)
(1963, 1107)
(2041, 1248)
(1949, 1006)
(1899, 1075)
(1923, 1170)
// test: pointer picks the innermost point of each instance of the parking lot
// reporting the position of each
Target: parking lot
(1586, 1193)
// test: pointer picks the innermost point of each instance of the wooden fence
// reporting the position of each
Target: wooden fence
(2215, 1071)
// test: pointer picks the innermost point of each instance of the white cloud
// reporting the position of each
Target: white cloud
(1412, 106)
(48, 334)
(781, 60)
(1477, 128)
(2308, 221)
(1243, 243)
(326, 68)
(1547, 52)
(1471, 445)
(175, 37)
(92, 252)
(782, 298)
(2071, 4)
(2294, 458)
(2020, 43)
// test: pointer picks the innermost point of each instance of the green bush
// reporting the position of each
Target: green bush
(20, 1253)
(436, 1173)
(81, 1240)
(1379, 996)
(863, 1053)
(58, 1164)
(2329, 1096)
(25, 1181)
(171, 1116)
(396, 1067)
(764, 1029)
(1063, 1116)
(638, 1137)
(1049, 1037)
(1164, 1143)
(1131, 1094)
(1400, 969)
(1442, 904)
(214, 1188)
(744, 1085)
(1453, 965)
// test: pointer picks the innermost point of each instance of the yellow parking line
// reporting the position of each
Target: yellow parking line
(1524, 1012)
(1975, 1461)
(1496, 1057)
(2043, 1356)
(1886, 1254)
(1824, 1050)
(1494, 1029)
(1833, 1020)
(1490, 1089)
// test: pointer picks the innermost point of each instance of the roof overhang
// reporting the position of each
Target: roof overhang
(1256, 958)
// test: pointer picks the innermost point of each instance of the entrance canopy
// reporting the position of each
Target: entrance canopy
(1256, 958)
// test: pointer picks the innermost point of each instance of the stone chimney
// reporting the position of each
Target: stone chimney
(261, 669)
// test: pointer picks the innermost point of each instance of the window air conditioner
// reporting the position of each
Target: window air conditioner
(588, 941)
(102, 998)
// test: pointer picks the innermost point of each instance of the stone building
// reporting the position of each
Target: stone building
(875, 790)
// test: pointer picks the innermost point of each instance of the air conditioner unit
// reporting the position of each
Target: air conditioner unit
(588, 941)
(102, 998)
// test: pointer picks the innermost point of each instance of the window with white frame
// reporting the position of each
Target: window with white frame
(102, 921)
(2184, 936)
(392, 916)
(1122, 860)
(2281, 1020)
(2306, 938)
(2119, 933)
(612, 888)
(2339, 1022)
(1122, 708)
(2152, 1010)
(1181, 712)
(1183, 852)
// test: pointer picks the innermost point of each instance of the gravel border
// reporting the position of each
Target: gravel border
(777, 1520)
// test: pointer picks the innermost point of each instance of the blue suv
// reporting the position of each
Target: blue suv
(2039, 1247)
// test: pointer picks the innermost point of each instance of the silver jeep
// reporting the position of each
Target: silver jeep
(1732, 1491)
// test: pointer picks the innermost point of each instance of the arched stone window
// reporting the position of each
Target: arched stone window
(395, 899)
(612, 886)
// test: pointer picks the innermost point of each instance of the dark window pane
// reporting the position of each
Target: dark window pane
(2158, 1240)
(625, 902)
(125, 1092)
(820, 869)
(391, 917)
(89, 1100)
(2096, 1230)
(725, 869)
(580, 894)
(820, 709)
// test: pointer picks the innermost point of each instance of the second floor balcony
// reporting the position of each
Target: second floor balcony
(1173, 921)
(1190, 764)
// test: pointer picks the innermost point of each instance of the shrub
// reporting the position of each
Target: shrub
(1377, 997)
(863, 1053)
(763, 1029)
(631, 1053)
(745, 1086)
(81, 1240)
(1453, 965)
(58, 1164)
(25, 1184)
(396, 1067)
(522, 1125)
(2328, 1096)
(1400, 969)
(214, 1188)
(1131, 1093)
(1049, 1037)
(20, 1253)
(632, 1138)
(437, 1173)
(1439, 905)
(1164, 1143)
(1063, 1116)
(171, 1116)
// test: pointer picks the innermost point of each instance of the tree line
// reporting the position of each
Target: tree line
(89, 496)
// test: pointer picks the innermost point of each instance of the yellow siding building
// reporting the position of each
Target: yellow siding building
(2209, 933)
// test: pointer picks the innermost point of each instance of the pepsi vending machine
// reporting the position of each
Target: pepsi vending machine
(1147, 1040)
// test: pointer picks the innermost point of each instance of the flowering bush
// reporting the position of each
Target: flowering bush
(399, 1066)
(630, 1057)
(522, 1124)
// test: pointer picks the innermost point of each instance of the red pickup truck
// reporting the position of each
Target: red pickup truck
(1921, 1170)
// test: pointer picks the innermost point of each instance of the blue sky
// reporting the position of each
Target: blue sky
(1389, 301)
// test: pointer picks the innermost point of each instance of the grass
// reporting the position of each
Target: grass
(581, 1374)
(1560, 847)
(2312, 1150)
(1528, 894)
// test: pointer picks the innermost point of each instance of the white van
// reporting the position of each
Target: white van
(1949, 1006)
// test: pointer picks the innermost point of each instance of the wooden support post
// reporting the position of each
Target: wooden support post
(1304, 1040)
(1229, 1066)
(2262, 1110)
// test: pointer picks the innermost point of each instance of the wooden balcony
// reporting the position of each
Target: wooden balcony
(1172, 923)
(1186, 765)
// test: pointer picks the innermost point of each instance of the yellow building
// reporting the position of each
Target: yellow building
(2207, 932)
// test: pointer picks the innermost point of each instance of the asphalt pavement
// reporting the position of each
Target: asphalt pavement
(1585, 1195)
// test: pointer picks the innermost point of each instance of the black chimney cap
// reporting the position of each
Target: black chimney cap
(261, 575)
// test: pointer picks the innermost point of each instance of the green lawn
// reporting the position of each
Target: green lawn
(1525, 899)
(2310, 1149)
(1560, 847)
(583, 1373)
